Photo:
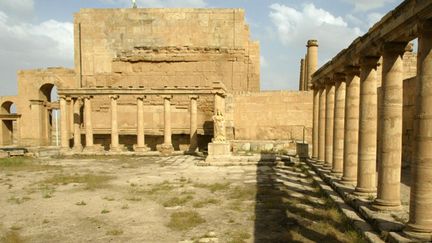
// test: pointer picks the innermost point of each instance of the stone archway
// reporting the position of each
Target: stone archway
(8, 125)
(47, 114)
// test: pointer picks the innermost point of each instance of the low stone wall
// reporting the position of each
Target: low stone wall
(270, 115)
(259, 146)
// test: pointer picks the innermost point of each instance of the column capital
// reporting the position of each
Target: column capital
(141, 97)
(193, 97)
(425, 26)
(369, 61)
(114, 97)
(352, 70)
(62, 97)
(68, 98)
(396, 47)
(328, 81)
(311, 43)
(339, 77)
(166, 97)
(86, 97)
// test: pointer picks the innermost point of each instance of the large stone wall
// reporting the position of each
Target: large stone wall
(271, 115)
(165, 47)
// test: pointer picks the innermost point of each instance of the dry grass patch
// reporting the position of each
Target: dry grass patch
(238, 236)
(213, 187)
(185, 220)
(24, 164)
(91, 181)
(177, 201)
(11, 237)
(202, 203)
(18, 200)
(247, 192)
(161, 187)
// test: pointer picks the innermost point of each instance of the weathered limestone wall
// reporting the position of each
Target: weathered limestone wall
(165, 47)
(271, 115)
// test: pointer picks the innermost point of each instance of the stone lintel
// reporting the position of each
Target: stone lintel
(352, 70)
(339, 77)
(396, 47)
(369, 61)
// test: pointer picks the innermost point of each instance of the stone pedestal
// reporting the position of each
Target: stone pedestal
(141, 149)
(218, 151)
(165, 149)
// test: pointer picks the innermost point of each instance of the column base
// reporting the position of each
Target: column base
(364, 192)
(385, 205)
(77, 149)
(165, 149)
(118, 149)
(65, 150)
(336, 173)
(141, 149)
(327, 166)
(348, 181)
(418, 233)
(93, 149)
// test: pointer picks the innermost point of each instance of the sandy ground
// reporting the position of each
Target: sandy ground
(153, 199)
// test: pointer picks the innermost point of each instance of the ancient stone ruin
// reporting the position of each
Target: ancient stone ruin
(174, 81)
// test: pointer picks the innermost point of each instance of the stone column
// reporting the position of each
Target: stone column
(321, 125)
(312, 60)
(77, 125)
(339, 123)
(166, 148)
(301, 81)
(305, 74)
(88, 123)
(330, 97)
(367, 154)
(70, 117)
(114, 124)
(193, 124)
(389, 171)
(141, 146)
(420, 223)
(352, 111)
(64, 124)
(315, 131)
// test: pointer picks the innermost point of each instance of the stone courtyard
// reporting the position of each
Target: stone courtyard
(164, 135)
(153, 199)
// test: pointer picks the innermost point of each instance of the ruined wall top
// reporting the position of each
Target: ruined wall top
(160, 47)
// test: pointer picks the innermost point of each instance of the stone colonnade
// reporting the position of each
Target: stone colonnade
(352, 134)
(86, 101)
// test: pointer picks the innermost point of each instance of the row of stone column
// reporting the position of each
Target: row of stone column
(67, 114)
(345, 129)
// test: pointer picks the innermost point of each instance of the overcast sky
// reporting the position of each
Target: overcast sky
(39, 33)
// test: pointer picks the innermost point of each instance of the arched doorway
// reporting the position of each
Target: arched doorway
(49, 115)
(8, 124)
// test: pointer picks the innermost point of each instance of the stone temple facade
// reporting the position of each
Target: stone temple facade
(151, 79)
